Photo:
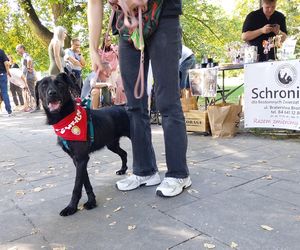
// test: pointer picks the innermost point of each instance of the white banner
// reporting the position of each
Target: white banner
(272, 95)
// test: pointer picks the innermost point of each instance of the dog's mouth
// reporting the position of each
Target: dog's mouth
(54, 106)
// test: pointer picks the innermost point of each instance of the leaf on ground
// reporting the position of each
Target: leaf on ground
(48, 185)
(96, 162)
(34, 231)
(262, 161)
(20, 192)
(113, 223)
(59, 248)
(233, 245)
(117, 209)
(19, 180)
(38, 189)
(107, 216)
(131, 227)
(209, 246)
(109, 199)
(80, 208)
(268, 177)
(236, 167)
(191, 191)
(266, 227)
(228, 175)
(10, 164)
(154, 206)
(13, 248)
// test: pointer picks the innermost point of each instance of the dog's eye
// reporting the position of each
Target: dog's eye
(60, 84)
(44, 85)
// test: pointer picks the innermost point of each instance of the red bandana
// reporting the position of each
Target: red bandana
(74, 126)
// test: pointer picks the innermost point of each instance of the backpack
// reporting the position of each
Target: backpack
(136, 21)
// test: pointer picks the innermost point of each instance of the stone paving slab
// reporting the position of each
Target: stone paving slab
(239, 184)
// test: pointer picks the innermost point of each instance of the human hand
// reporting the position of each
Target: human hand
(276, 29)
(267, 29)
(97, 65)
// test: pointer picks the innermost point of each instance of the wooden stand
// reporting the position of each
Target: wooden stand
(197, 121)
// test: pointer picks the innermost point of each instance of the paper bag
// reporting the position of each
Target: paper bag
(188, 102)
(224, 119)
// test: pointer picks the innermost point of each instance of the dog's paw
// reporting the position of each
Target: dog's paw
(90, 205)
(68, 211)
(121, 171)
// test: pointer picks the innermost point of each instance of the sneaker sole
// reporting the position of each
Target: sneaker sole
(143, 184)
(160, 193)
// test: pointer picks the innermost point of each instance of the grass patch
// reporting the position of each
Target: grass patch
(232, 98)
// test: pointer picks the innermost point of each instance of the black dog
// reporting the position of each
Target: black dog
(109, 124)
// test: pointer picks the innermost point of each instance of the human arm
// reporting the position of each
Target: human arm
(6, 64)
(71, 57)
(81, 59)
(252, 34)
(29, 63)
(56, 53)
(95, 14)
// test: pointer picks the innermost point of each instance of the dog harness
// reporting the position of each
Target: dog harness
(76, 126)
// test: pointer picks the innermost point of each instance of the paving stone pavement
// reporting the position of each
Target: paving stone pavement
(240, 186)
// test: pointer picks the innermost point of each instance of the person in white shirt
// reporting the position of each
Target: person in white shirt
(74, 60)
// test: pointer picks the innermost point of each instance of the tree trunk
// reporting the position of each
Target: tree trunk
(39, 29)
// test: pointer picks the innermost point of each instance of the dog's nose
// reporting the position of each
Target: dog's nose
(51, 92)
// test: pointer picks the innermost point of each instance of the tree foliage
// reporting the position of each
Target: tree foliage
(206, 28)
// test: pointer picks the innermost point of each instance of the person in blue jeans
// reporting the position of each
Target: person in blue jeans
(4, 71)
(186, 62)
(163, 48)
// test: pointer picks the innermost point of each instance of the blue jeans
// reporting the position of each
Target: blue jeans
(187, 64)
(164, 51)
(3, 87)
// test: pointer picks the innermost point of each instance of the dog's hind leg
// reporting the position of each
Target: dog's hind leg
(115, 147)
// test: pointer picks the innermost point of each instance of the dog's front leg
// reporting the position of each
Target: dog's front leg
(81, 173)
(91, 203)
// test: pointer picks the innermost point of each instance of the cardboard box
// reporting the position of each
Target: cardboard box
(197, 121)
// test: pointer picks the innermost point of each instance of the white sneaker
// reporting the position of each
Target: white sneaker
(135, 181)
(172, 186)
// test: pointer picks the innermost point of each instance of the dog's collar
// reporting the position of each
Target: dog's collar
(74, 126)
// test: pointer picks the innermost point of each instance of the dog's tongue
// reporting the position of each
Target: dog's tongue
(54, 106)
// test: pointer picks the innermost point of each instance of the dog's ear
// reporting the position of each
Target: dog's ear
(36, 93)
(71, 81)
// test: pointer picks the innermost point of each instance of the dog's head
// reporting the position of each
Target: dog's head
(55, 92)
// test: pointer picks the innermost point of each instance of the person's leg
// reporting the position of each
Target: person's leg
(3, 86)
(13, 91)
(165, 51)
(20, 95)
(95, 96)
(144, 162)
